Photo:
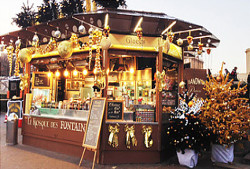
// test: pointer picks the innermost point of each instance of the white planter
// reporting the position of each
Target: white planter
(222, 154)
(189, 158)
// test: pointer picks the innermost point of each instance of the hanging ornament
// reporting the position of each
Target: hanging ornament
(91, 31)
(106, 31)
(182, 84)
(199, 52)
(130, 136)
(200, 45)
(105, 43)
(75, 41)
(190, 47)
(139, 32)
(10, 50)
(147, 131)
(82, 29)
(166, 46)
(208, 51)
(25, 56)
(65, 49)
(24, 81)
(2, 46)
(179, 42)
(113, 136)
(189, 38)
(170, 36)
(58, 33)
(160, 78)
(18, 44)
(35, 38)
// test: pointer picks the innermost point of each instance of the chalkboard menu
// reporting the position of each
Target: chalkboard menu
(114, 110)
(94, 123)
(41, 80)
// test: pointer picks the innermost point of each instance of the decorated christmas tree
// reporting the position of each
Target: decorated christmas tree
(186, 130)
(111, 3)
(224, 111)
(26, 17)
(70, 7)
(48, 11)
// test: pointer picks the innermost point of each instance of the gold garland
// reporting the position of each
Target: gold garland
(10, 50)
(147, 131)
(130, 136)
(113, 136)
(24, 81)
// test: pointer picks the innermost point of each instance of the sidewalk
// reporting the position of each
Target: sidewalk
(26, 157)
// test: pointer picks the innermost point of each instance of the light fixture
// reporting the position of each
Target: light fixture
(108, 71)
(169, 27)
(49, 74)
(106, 20)
(66, 73)
(131, 70)
(85, 71)
(138, 24)
(57, 73)
(18, 42)
(95, 71)
(75, 73)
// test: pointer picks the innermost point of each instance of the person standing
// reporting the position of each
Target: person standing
(234, 74)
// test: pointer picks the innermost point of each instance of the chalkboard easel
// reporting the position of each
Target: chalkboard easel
(93, 129)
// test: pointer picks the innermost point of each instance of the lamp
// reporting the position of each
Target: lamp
(85, 71)
(169, 27)
(66, 73)
(57, 73)
(138, 24)
(49, 74)
(131, 70)
(75, 72)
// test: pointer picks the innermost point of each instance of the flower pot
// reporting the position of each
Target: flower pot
(222, 154)
(189, 158)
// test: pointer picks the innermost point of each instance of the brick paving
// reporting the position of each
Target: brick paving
(26, 157)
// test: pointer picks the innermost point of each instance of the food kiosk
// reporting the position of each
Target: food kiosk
(136, 71)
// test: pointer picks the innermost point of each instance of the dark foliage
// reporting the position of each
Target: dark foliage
(111, 3)
(48, 11)
(70, 7)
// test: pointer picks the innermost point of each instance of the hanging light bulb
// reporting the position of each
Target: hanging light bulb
(82, 29)
(75, 72)
(58, 33)
(131, 70)
(85, 71)
(57, 73)
(95, 71)
(66, 73)
(49, 74)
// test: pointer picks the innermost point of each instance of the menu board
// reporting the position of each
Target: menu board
(41, 80)
(114, 110)
(94, 123)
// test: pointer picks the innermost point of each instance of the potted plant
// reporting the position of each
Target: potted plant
(186, 132)
(226, 114)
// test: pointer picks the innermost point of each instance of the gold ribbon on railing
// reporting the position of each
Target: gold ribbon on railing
(130, 136)
(147, 131)
(160, 77)
(113, 136)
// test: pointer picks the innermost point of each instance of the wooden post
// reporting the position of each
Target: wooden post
(159, 68)
(106, 69)
(26, 90)
(180, 72)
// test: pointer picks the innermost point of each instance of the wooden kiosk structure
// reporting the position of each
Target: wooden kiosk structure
(140, 83)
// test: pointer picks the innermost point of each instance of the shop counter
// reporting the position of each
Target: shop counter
(56, 130)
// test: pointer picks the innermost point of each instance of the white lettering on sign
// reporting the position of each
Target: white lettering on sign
(62, 125)
(74, 126)
(195, 81)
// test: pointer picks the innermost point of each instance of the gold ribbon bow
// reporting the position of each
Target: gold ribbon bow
(147, 131)
(130, 136)
(160, 77)
(113, 136)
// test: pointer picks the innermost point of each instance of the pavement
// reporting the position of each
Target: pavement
(27, 157)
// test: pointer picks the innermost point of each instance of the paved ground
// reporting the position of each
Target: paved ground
(26, 157)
